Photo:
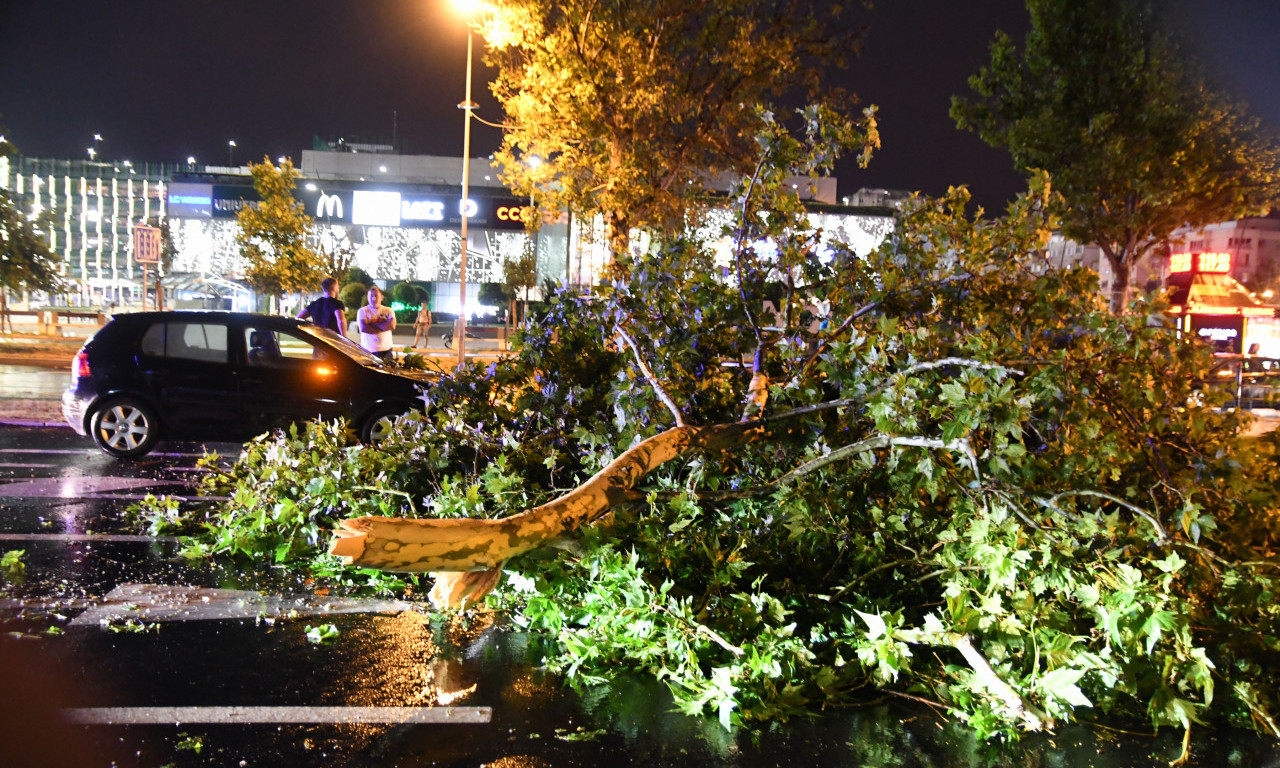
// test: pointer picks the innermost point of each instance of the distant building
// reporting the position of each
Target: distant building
(398, 214)
(1222, 279)
(876, 198)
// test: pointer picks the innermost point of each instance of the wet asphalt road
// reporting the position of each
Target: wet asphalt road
(118, 652)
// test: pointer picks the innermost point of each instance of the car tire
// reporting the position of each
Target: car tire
(379, 422)
(125, 427)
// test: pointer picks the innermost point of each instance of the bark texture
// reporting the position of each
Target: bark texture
(465, 554)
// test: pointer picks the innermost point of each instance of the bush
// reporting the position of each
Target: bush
(407, 294)
(358, 275)
(353, 296)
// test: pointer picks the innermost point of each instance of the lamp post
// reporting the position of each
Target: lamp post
(231, 148)
(467, 106)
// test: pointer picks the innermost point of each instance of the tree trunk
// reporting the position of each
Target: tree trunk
(1122, 273)
(451, 548)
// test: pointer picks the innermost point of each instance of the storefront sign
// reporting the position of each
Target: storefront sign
(379, 207)
(1219, 263)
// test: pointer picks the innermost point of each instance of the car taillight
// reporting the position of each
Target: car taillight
(80, 366)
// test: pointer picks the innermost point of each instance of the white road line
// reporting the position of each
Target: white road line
(79, 487)
(277, 715)
(81, 537)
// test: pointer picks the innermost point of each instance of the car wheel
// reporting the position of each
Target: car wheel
(379, 423)
(125, 428)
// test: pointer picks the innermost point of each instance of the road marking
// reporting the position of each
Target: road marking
(81, 487)
(91, 537)
(277, 715)
(161, 602)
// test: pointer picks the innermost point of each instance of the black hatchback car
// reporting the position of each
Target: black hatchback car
(182, 375)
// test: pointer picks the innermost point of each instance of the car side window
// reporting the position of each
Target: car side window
(152, 344)
(268, 347)
(206, 342)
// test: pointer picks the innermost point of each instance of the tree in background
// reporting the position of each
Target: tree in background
(633, 106)
(519, 276)
(1137, 144)
(25, 258)
(273, 235)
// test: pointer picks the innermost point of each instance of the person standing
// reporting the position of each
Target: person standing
(376, 323)
(422, 326)
(328, 311)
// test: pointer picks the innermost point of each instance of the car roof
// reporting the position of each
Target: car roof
(196, 315)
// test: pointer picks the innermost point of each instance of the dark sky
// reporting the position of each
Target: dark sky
(164, 79)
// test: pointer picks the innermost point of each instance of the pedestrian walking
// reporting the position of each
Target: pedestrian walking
(422, 326)
(376, 323)
(328, 311)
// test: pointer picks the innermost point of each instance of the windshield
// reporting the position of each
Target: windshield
(345, 345)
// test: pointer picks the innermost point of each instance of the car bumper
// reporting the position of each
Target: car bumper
(73, 410)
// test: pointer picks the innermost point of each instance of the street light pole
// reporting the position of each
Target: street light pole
(466, 106)
(231, 147)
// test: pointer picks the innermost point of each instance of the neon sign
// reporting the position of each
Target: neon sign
(1213, 262)
(1200, 262)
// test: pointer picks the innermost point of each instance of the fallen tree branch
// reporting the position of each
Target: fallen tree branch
(455, 545)
(1016, 706)
(881, 441)
(651, 378)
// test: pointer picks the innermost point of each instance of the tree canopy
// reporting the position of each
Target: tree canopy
(274, 234)
(1137, 142)
(25, 257)
(633, 106)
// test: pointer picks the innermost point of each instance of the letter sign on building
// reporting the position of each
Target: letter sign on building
(329, 206)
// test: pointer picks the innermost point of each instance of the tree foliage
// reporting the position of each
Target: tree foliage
(1137, 143)
(634, 105)
(976, 487)
(274, 234)
(25, 257)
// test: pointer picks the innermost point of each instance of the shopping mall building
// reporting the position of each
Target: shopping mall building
(400, 216)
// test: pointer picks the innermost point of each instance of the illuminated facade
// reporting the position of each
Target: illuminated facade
(398, 215)
(92, 208)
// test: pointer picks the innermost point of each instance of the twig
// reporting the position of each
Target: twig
(881, 441)
(653, 380)
(704, 629)
(1163, 536)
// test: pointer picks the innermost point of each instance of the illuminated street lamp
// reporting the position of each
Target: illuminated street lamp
(231, 148)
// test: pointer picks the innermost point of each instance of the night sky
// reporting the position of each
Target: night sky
(163, 80)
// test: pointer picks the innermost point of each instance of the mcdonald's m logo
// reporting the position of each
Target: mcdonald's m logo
(329, 205)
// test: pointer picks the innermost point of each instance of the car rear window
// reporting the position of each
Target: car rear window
(206, 342)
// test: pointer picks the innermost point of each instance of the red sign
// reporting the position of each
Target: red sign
(1200, 262)
(146, 244)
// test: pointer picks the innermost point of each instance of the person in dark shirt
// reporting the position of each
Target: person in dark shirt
(328, 311)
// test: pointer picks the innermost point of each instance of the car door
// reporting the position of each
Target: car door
(187, 367)
(287, 377)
